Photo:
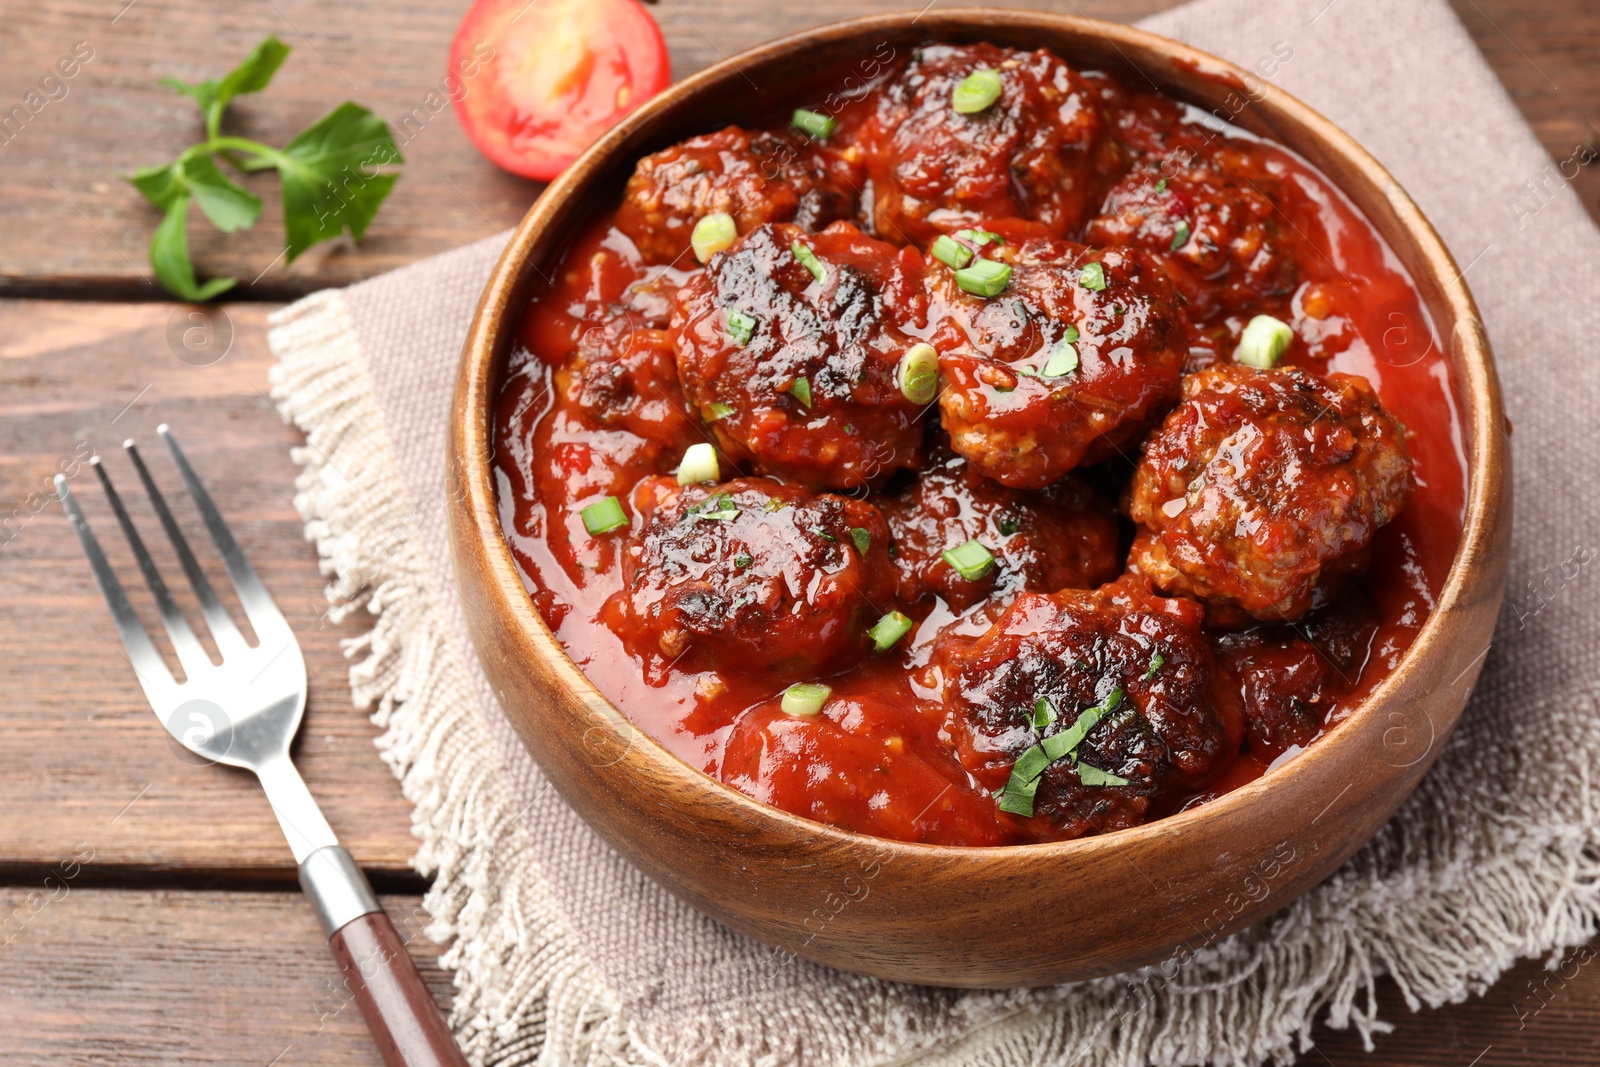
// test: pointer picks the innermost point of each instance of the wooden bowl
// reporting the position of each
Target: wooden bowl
(1002, 916)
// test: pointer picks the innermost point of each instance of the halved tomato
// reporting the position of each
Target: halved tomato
(538, 81)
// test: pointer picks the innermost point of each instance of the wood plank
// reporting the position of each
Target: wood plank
(113, 977)
(86, 761)
(135, 977)
(59, 176)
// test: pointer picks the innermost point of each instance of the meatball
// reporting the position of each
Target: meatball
(1290, 677)
(796, 375)
(1064, 536)
(1208, 221)
(754, 176)
(1127, 672)
(1263, 483)
(863, 764)
(751, 574)
(1033, 153)
(1078, 355)
(623, 377)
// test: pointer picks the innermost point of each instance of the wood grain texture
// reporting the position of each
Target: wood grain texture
(58, 173)
(134, 978)
(87, 763)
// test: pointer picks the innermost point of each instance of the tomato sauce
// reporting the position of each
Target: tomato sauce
(881, 758)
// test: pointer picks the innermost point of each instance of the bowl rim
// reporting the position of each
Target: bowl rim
(1473, 378)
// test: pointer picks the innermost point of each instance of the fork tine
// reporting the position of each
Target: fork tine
(257, 602)
(190, 654)
(222, 627)
(141, 650)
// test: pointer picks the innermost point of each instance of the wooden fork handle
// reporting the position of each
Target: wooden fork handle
(405, 1023)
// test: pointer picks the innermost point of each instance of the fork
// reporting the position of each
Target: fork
(245, 712)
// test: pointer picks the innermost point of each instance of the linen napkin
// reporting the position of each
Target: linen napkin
(564, 954)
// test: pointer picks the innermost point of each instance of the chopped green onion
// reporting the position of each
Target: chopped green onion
(984, 277)
(824, 534)
(1263, 342)
(743, 560)
(976, 91)
(1092, 276)
(1063, 360)
(814, 124)
(1156, 663)
(980, 237)
(1043, 714)
(800, 389)
(699, 464)
(741, 327)
(805, 699)
(971, 560)
(888, 630)
(861, 538)
(712, 234)
(774, 505)
(950, 252)
(603, 516)
(719, 410)
(1181, 237)
(1161, 186)
(918, 374)
(808, 259)
(1095, 776)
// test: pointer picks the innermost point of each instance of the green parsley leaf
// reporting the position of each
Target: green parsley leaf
(1161, 186)
(743, 560)
(169, 257)
(229, 206)
(1043, 714)
(251, 76)
(1093, 276)
(1095, 776)
(861, 538)
(1180, 237)
(1156, 663)
(330, 178)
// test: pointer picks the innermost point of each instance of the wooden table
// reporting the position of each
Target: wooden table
(149, 907)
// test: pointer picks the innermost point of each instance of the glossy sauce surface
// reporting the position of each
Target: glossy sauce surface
(882, 757)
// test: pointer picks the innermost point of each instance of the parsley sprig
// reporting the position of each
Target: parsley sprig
(328, 173)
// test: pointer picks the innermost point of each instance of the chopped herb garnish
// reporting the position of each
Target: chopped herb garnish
(719, 508)
(976, 92)
(712, 234)
(984, 277)
(805, 699)
(1093, 276)
(1017, 796)
(743, 560)
(1044, 713)
(1161, 186)
(970, 560)
(861, 538)
(741, 327)
(800, 389)
(1263, 342)
(699, 464)
(808, 259)
(918, 374)
(1063, 360)
(774, 505)
(889, 630)
(1070, 335)
(1181, 236)
(950, 252)
(980, 237)
(1117, 309)
(603, 516)
(1009, 525)
(1095, 776)
(1156, 663)
(717, 411)
(814, 124)
(824, 534)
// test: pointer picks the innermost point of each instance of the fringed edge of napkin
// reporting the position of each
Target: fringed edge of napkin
(523, 992)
